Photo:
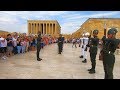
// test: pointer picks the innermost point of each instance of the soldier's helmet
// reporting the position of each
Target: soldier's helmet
(87, 34)
(95, 32)
(83, 34)
(112, 31)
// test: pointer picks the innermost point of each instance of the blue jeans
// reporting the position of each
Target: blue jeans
(23, 49)
(19, 49)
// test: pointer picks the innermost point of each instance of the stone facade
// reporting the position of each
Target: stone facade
(48, 27)
(99, 24)
(3, 33)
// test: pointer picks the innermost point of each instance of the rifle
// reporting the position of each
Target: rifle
(88, 45)
(101, 52)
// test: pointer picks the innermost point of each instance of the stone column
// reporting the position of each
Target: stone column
(40, 27)
(43, 29)
(32, 28)
(52, 28)
(28, 28)
(46, 29)
(55, 29)
(49, 28)
(36, 28)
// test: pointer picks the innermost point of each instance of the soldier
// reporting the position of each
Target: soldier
(38, 46)
(93, 51)
(109, 46)
(85, 43)
(81, 45)
(60, 44)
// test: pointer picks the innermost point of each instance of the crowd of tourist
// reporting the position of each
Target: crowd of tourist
(12, 44)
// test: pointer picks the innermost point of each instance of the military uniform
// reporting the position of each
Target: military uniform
(38, 46)
(81, 45)
(109, 47)
(85, 43)
(60, 44)
(93, 51)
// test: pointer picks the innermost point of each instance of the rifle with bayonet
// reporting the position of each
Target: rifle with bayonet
(103, 42)
(88, 45)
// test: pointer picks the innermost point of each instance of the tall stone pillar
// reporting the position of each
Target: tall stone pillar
(52, 28)
(46, 29)
(49, 28)
(36, 28)
(40, 27)
(43, 29)
(32, 28)
(55, 29)
(28, 28)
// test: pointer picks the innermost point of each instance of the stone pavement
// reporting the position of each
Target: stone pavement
(67, 65)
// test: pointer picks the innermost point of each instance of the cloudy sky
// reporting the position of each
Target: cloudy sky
(70, 21)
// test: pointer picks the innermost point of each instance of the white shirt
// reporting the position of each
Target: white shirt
(14, 41)
(86, 40)
(3, 43)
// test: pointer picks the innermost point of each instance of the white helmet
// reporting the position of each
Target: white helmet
(83, 34)
(87, 34)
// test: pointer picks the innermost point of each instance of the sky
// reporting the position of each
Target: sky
(70, 21)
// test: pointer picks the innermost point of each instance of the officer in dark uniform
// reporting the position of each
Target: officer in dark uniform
(109, 46)
(39, 45)
(60, 44)
(93, 50)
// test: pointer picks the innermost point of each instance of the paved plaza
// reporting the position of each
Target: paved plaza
(67, 65)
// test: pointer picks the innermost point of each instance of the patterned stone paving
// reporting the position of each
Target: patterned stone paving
(68, 65)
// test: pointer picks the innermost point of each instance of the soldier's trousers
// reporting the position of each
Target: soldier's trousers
(38, 52)
(60, 48)
(93, 60)
(108, 64)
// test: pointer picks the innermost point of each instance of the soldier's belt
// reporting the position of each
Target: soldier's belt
(93, 46)
(108, 52)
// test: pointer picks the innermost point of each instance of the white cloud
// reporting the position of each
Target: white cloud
(97, 15)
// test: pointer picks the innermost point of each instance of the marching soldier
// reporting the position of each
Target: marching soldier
(109, 46)
(93, 51)
(60, 44)
(38, 46)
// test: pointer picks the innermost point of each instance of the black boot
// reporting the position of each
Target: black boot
(85, 61)
(81, 56)
(39, 59)
(92, 71)
(89, 69)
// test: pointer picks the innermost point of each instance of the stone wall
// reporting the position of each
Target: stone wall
(99, 24)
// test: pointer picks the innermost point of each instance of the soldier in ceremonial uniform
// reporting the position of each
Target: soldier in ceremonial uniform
(39, 38)
(81, 45)
(85, 48)
(109, 46)
(94, 41)
(60, 44)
